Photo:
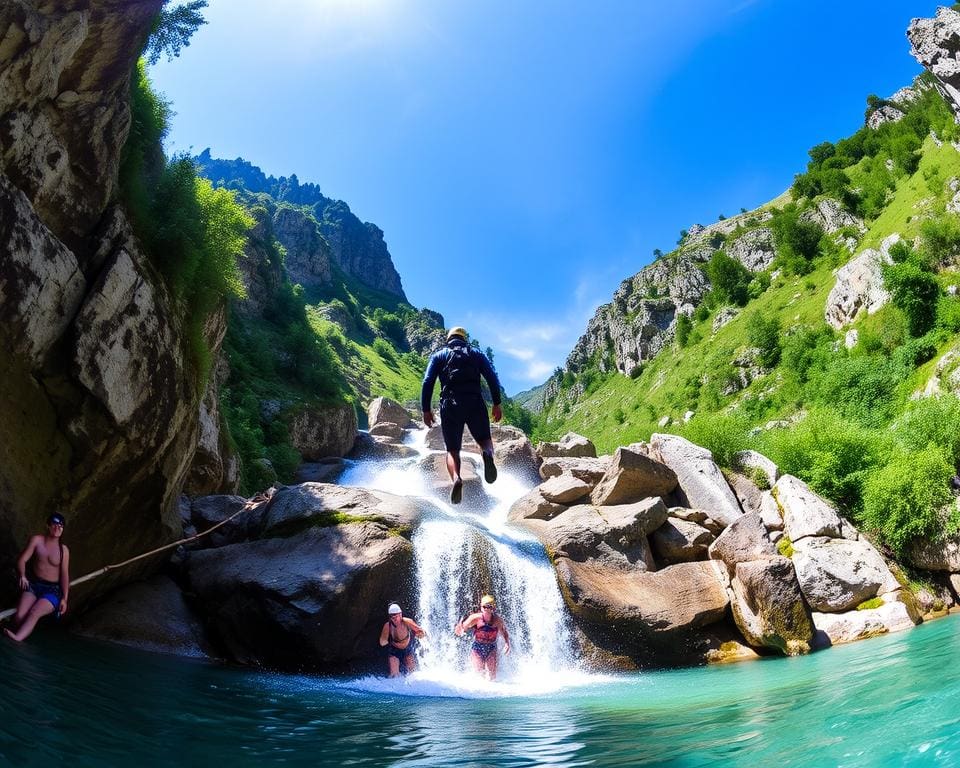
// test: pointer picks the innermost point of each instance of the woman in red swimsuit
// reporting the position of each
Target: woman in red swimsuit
(399, 637)
(486, 626)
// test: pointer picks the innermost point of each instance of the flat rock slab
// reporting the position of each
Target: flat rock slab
(586, 469)
(564, 489)
(299, 506)
(700, 479)
(838, 628)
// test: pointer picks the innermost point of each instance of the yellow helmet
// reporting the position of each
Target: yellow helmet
(457, 331)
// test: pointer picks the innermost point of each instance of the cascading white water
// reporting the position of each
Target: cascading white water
(463, 552)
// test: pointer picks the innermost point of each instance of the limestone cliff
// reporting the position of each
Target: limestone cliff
(335, 234)
(100, 406)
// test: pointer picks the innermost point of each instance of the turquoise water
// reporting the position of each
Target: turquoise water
(893, 700)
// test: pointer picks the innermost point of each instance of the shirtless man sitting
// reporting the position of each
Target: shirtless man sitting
(45, 591)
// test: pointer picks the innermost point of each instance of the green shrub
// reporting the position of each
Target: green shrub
(385, 351)
(903, 501)
(941, 239)
(832, 454)
(729, 279)
(682, 329)
(797, 241)
(723, 434)
(916, 292)
(764, 334)
(931, 421)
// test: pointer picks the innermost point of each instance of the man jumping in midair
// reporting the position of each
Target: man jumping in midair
(461, 403)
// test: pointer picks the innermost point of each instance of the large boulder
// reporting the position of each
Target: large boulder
(296, 507)
(151, 615)
(768, 606)
(680, 541)
(939, 555)
(701, 481)
(230, 519)
(322, 432)
(383, 409)
(804, 512)
(571, 444)
(838, 574)
(312, 601)
(367, 446)
(743, 540)
(631, 476)
(643, 613)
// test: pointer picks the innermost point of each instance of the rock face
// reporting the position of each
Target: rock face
(571, 445)
(319, 433)
(936, 45)
(301, 602)
(151, 615)
(99, 410)
(754, 249)
(308, 254)
(859, 285)
(700, 478)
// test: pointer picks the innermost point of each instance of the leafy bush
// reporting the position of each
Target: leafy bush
(931, 421)
(729, 279)
(941, 239)
(832, 454)
(682, 329)
(797, 241)
(915, 291)
(723, 434)
(903, 501)
(764, 334)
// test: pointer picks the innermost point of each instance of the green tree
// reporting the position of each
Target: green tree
(764, 334)
(915, 291)
(729, 278)
(173, 28)
(682, 329)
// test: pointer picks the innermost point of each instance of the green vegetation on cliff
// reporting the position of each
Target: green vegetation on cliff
(839, 410)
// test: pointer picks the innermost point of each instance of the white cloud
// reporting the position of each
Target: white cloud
(538, 371)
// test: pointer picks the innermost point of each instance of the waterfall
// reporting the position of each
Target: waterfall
(464, 551)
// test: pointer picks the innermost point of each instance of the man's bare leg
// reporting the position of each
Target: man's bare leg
(27, 599)
(40, 609)
(393, 665)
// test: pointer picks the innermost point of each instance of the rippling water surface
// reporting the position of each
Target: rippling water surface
(892, 700)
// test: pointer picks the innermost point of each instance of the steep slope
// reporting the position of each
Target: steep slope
(827, 309)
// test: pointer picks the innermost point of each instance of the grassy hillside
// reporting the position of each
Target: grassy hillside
(847, 420)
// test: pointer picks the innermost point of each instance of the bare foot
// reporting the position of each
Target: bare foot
(10, 634)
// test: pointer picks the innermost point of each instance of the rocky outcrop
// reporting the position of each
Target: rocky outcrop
(100, 411)
(64, 113)
(936, 45)
(859, 285)
(320, 432)
(426, 332)
(358, 247)
(308, 254)
(830, 215)
(754, 249)
(633, 475)
(151, 615)
(384, 410)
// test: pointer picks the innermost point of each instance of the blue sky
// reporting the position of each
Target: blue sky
(525, 156)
